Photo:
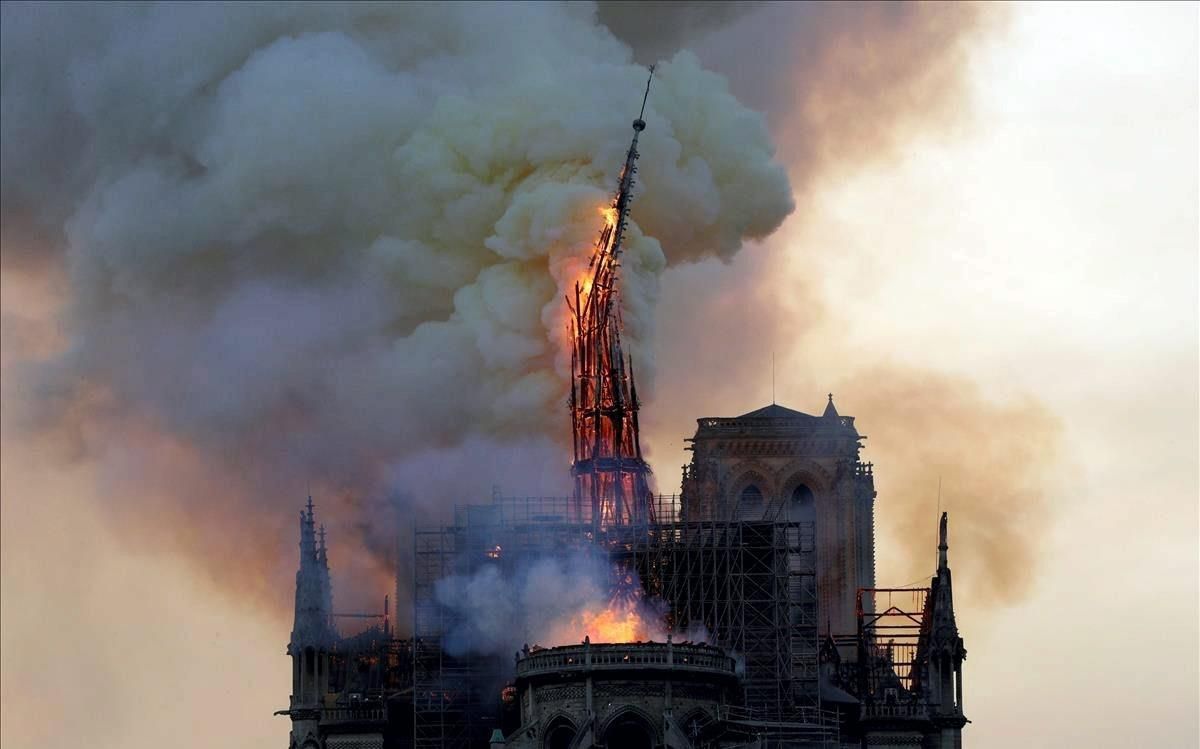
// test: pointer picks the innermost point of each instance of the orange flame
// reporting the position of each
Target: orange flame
(584, 277)
(615, 624)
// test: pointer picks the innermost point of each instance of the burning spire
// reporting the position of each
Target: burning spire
(611, 477)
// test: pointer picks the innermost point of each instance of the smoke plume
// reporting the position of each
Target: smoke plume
(548, 601)
(311, 247)
(994, 462)
(845, 87)
(326, 245)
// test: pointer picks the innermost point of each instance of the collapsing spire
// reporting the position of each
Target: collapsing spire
(611, 477)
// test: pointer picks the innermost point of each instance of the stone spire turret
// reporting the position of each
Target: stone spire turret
(313, 623)
(313, 634)
(945, 650)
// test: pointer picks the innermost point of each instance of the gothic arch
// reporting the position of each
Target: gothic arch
(633, 717)
(807, 472)
(560, 732)
(750, 482)
(695, 723)
(749, 472)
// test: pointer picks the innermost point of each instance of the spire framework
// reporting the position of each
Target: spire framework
(611, 477)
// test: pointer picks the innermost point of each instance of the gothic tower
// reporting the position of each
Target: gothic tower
(943, 652)
(312, 634)
(779, 464)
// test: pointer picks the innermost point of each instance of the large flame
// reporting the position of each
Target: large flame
(610, 215)
(619, 620)
(616, 623)
(585, 275)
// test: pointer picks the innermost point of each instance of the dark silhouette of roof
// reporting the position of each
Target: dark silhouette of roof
(776, 411)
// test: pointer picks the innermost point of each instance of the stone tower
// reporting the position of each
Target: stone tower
(775, 464)
(313, 634)
(944, 650)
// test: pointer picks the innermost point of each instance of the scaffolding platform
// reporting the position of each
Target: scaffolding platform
(749, 585)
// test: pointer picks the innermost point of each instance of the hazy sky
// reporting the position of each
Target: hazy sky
(1043, 245)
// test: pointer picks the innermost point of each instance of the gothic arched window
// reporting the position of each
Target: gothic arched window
(751, 495)
(630, 730)
(802, 508)
(559, 734)
(750, 503)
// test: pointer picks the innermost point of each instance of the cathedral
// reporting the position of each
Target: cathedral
(770, 546)
(773, 631)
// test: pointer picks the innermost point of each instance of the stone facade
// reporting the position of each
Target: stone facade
(628, 695)
(776, 463)
(770, 550)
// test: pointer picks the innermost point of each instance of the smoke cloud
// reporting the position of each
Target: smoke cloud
(497, 615)
(845, 87)
(994, 461)
(326, 245)
(548, 601)
(323, 247)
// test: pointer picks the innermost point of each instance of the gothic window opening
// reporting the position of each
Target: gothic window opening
(802, 507)
(559, 735)
(750, 503)
(630, 731)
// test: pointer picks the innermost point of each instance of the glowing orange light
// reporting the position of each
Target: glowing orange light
(614, 624)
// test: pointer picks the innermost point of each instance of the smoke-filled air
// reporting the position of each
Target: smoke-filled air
(549, 601)
(326, 246)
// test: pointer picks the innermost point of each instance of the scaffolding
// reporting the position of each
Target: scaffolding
(889, 659)
(750, 585)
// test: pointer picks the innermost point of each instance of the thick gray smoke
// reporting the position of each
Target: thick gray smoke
(546, 601)
(327, 245)
(550, 601)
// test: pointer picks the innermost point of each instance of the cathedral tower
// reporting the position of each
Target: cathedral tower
(779, 464)
(312, 634)
(943, 651)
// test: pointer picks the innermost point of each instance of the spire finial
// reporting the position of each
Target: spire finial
(830, 409)
(943, 543)
(639, 124)
(772, 377)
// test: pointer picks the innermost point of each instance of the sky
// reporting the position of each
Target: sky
(1018, 273)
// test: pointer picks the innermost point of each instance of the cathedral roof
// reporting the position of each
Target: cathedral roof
(775, 411)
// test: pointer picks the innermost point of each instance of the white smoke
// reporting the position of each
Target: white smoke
(548, 601)
(324, 240)
(496, 613)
